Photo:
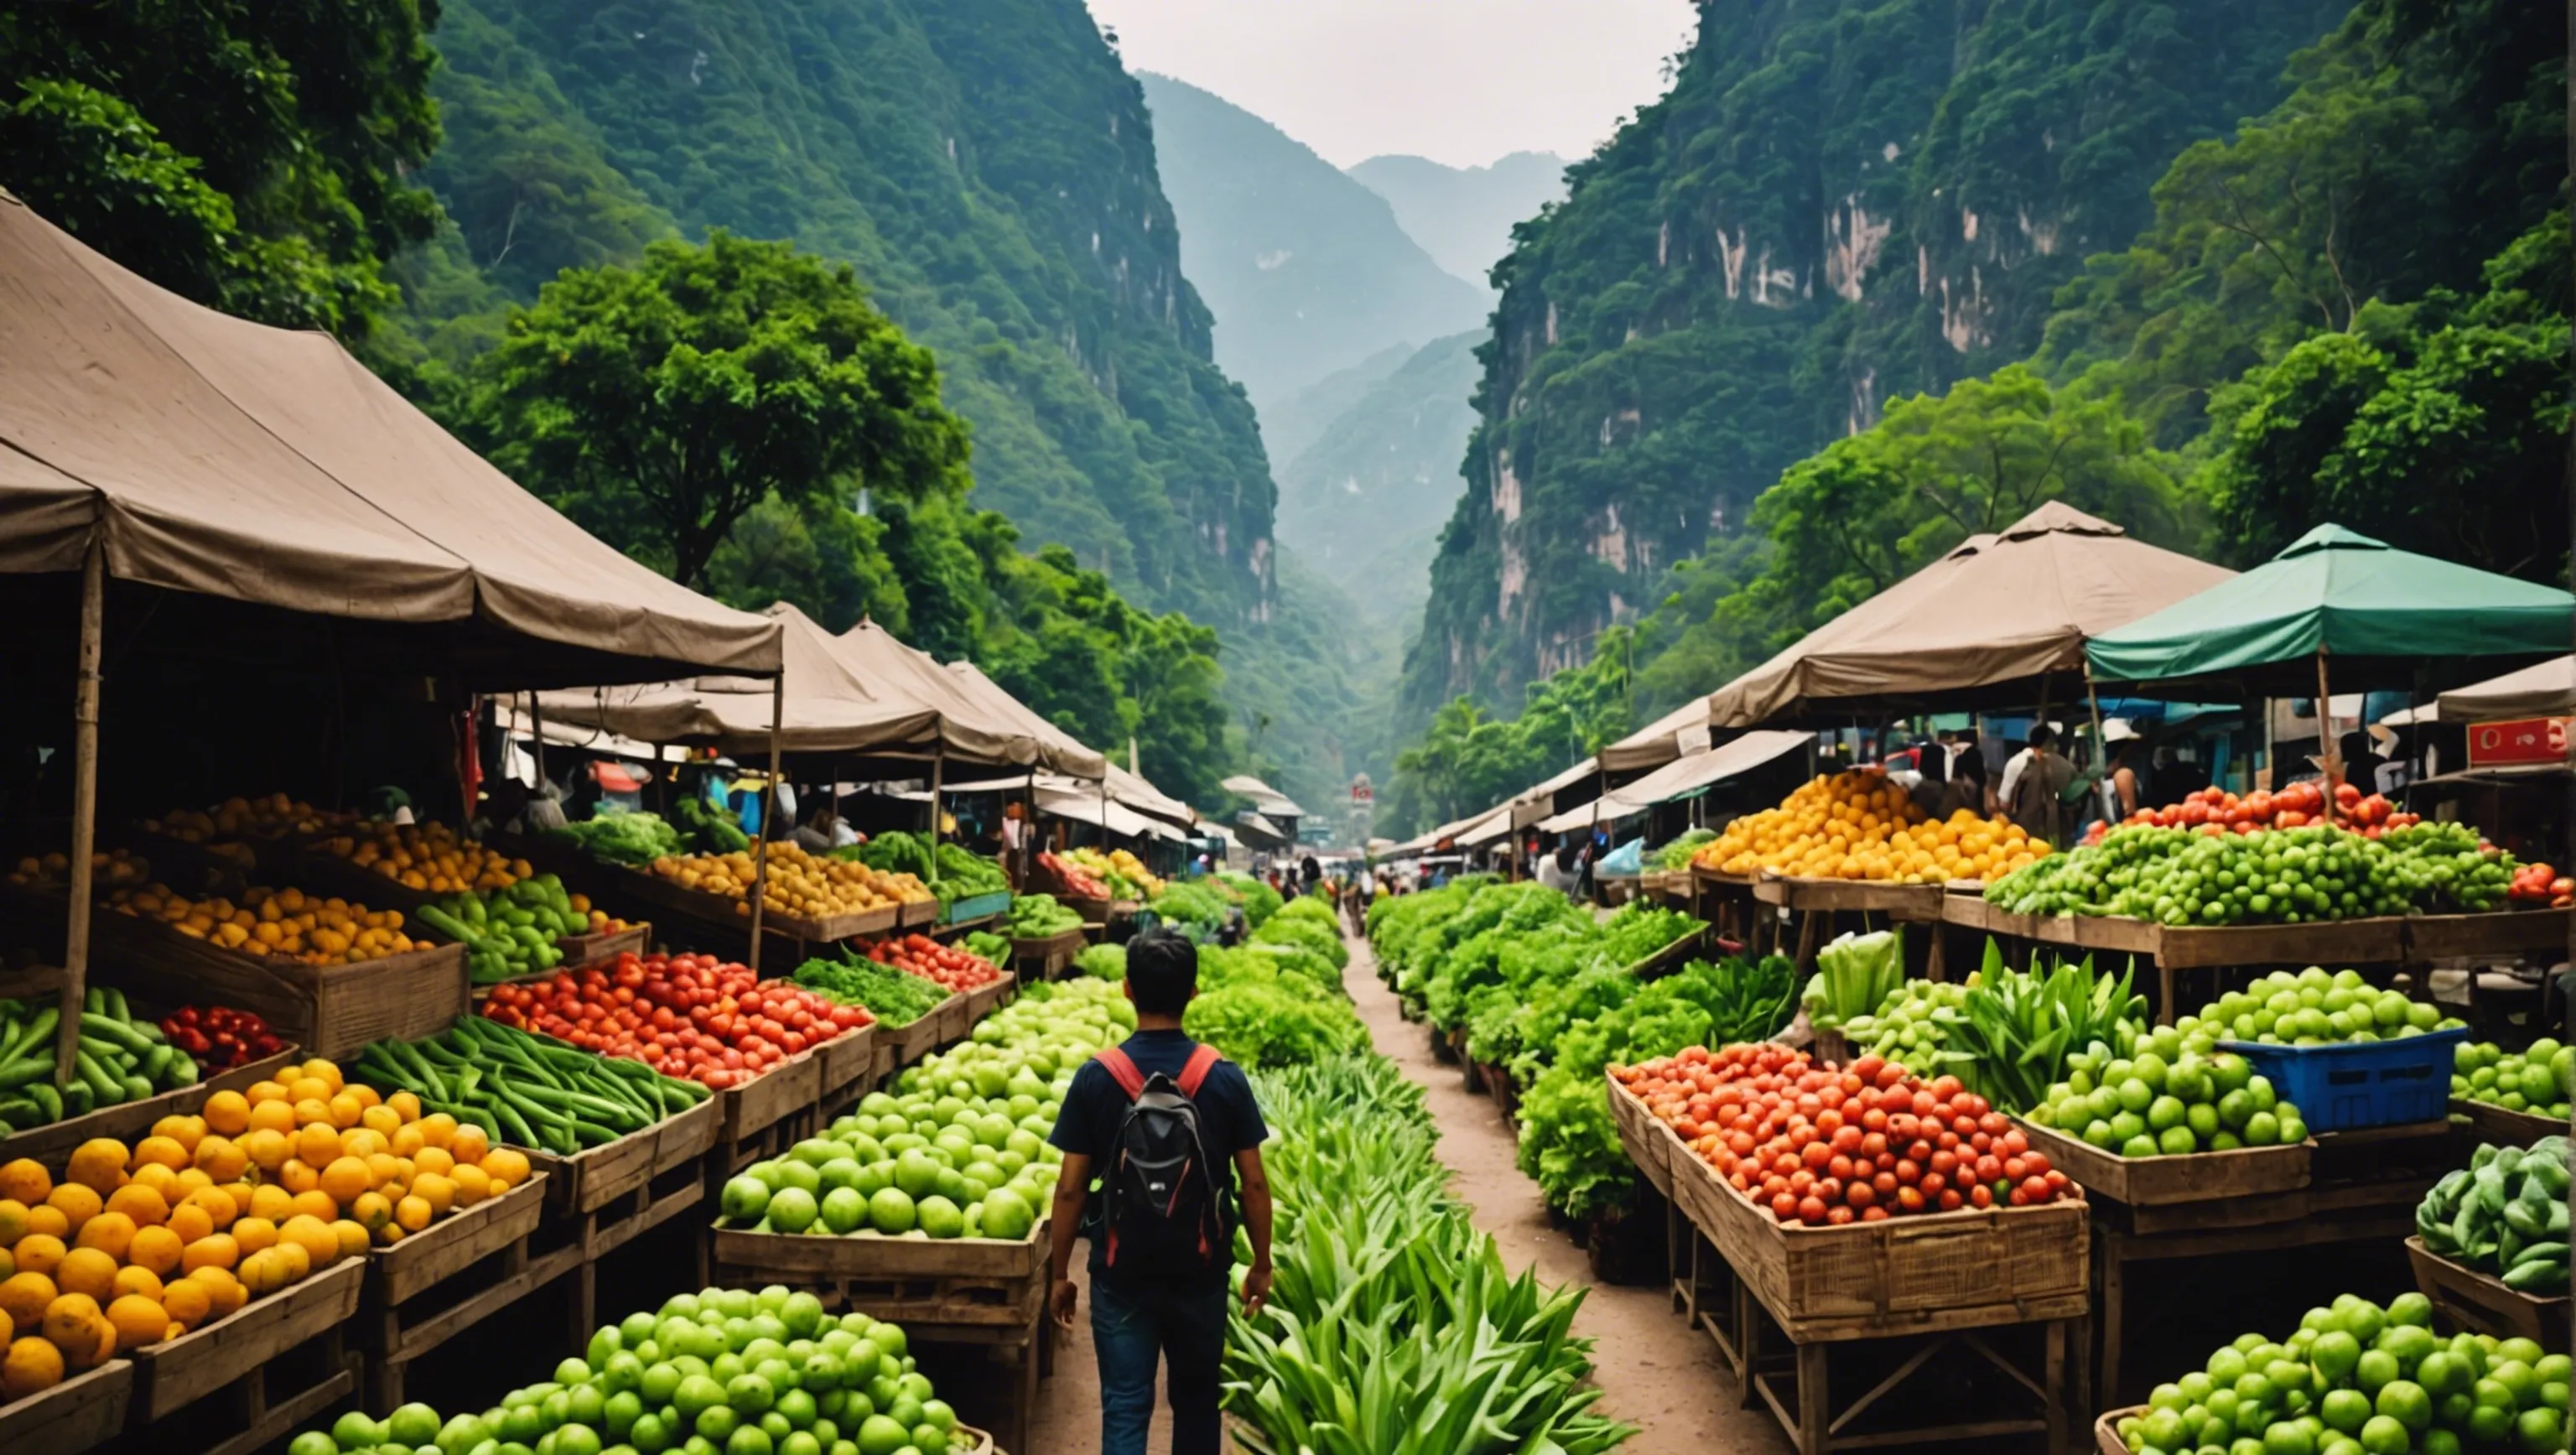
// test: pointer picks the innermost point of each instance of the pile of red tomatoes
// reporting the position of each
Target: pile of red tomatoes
(691, 1016)
(943, 965)
(2218, 811)
(1828, 1145)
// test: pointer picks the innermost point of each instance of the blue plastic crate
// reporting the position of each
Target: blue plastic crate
(2352, 1084)
(977, 906)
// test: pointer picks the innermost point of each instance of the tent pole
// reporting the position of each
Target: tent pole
(938, 763)
(84, 808)
(2101, 748)
(537, 739)
(768, 807)
(2326, 752)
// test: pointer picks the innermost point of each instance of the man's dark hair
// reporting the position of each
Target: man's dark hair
(1162, 971)
(2041, 736)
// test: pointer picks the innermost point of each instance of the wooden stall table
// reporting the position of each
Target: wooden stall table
(1943, 1282)
(449, 1277)
(2482, 1304)
(331, 1011)
(983, 1292)
(74, 1417)
(1048, 957)
(244, 1382)
(607, 1196)
(1816, 901)
(1726, 902)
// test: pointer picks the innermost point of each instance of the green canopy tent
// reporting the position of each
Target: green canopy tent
(2385, 618)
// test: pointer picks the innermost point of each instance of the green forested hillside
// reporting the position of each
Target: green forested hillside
(1464, 216)
(1839, 202)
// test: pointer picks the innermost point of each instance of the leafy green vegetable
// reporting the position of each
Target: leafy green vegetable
(1260, 901)
(1102, 962)
(1853, 975)
(896, 998)
(621, 838)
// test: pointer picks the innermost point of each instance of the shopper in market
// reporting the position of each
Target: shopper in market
(2034, 787)
(1171, 1127)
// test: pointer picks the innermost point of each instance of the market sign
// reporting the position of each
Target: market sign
(2526, 740)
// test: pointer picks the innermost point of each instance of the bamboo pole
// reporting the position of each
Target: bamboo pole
(938, 765)
(768, 806)
(84, 808)
(2326, 752)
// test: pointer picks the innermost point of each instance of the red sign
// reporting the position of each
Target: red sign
(1362, 793)
(2531, 740)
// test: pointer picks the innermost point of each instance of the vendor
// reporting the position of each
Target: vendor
(2034, 787)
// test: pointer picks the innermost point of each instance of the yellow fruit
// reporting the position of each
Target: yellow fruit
(382, 1120)
(405, 1105)
(87, 1272)
(31, 1365)
(273, 1116)
(365, 1142)
(187, 1131)
(435, 1190)
(135, 1279)
(38, 1253)
(318, 1143)
(410, 1138)
(412, 1214)
(314, 1236)
(189, 1221)
(437, 1129)
(222, 1288)
(468, 1145)
(266, 1147)
(215, 1250)
(269, 1201)
(371, 1210)
(24, 1295)
(98, 1164)
(299, 1175)
(289, 1263)
(262, 1092)
(352, 1236)
(78, 1202)
(187, 1302)
(158, 1151)
(142, 1205)
(25, 1181)
(13, 1220)
(314, 1204)
(308, 1088)
(507, 1166)
(70, 1323)
(222, 1158)
(346, 1109)
(326, 1072)
(314, 1111)
(48, 1220)
(433, 1160)
(216, 1203)
(252, 1234)
(156, 1250)
(228, 1112)
(473, 1184)
(138, 1321)
(344, 1178)
(109, 1233)
(155, 1177)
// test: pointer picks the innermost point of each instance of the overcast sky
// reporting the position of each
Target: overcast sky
(1459, 81)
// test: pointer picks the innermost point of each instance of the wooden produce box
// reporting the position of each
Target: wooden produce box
(1648, 1141)
(847, 1064)
(912, 912)
(455, 1243)
(130, 1121)
(1929, 1273)
(791, 1086)
(80, 1414)
(2505, 1127)
(1917, 902)
(981, 1002)
(724, 909)
(172, 1375)
(2106, 1430)
(927, 1034)
(2375, 941)
(1050, 955)
(580, 950)
(939, 1282)
(2502, 933)
(2481, 1303)
(591, 1179)
(1673, 956)
(1093, 911)
(2161, 1181)
(330, 1010)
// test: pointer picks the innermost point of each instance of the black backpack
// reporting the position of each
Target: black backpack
(1162, 1207)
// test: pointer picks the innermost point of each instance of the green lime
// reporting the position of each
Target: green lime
(312, 1442)
(412, 1424)
(2406, 1402)
(577, 1439)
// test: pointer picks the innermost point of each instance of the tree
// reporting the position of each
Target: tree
(657, 405)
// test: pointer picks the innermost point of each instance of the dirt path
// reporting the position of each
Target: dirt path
(1653, 1371)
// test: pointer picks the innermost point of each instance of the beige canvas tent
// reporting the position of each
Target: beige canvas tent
(1676, 734)
(1681, 776)
(2001, 619)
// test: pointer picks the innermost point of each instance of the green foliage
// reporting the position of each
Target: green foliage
(1468, 761)
(1260, 1012)
(1260, 901)
(1321, 940)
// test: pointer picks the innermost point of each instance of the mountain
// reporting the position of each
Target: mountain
(1292, 424)
(1306, 271)
(1838, 202)
(1364, 502)
(1463, 216)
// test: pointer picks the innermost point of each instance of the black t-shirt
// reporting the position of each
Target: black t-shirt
(1095, 1107)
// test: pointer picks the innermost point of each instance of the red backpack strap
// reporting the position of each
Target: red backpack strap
(1195, 1072)
(1122, 1070)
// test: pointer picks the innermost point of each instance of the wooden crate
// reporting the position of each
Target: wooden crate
(1924, 1274)
(330, 1010)
(130, 1121)
(982, 1001)
(1093, 911)
(1916, 902)
(437, 1283)
(771, 1097)
(2504, 1127)
(591, 1179)
(175, 1373)
(1644, 1136)
(2155, 1181)
(910, 913)
(2481, 1303)
(75, 1416)
(605, 1228)
(985, 1282)
(1671, 957)
(1048, 957)
(2113, 933)
(579, 950)
(2503, 933)
(847, 1066)
(2375, 941)
(449, 1246)
(925, 1035)
(2106, 1431)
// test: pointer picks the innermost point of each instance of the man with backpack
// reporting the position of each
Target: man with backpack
(1167, 1126)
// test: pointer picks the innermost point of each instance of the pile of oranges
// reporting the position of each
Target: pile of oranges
(133, 1245)
(1859, 825)
(287, 923)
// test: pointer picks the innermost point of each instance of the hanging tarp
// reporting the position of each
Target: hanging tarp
(216, 456)
(2378, 614)
(2548, 690)
(1539, 801)
(1062, 753)
(1084, 805)
(1267, 801)
(1682, 777)
(1984, 626)
(1682, 731)
(977, 731)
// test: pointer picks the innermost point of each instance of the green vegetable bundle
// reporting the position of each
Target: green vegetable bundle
(2179, 876)
(1102, 962)
(706, 828)
(896, 998)
(2010, 1037)
(1260, 901)
(1304, 932)
(1193, 908)
(1037, 916)
(2505, 1214)
(1854, 975)
(508, 932)
(894, 851)
(121, 1057)
(1677, 854)
(621, 838)
(1393, 1325)
(988, 945)
(526, 1090)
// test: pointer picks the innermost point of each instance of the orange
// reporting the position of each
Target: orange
(131, 1279)
(221, 1287)
(262, 1092)
(24, 1295)
(384, 1167)
(272, 1116)
(412, 1214)
(252, 1234)
(48, 1220)
(215, 1203)
(435, 1190)
(100, 1346)
(325, 1071)
(290, 1263)
(411, 1138)
(138, 1321)
(68, 1322)
(144, 1206)
(299, 1175)
(156, 1149)
(389, 1234)
(78, 1201)
(30, 1365)
(346, 1177)
(187, 1302)
(308, 1088)
(313, 1111)
(266, 1147)
(239, 1195)
(345, 1109)
(187, 1131)
(258, 1274)
(366, 1095)
(371, 1210)
(437, 1129)
(270, 1201)
(86, 1271)
(473, 1184)
(228, 1112)
(405, 1105)
(470, 1144)
(25, 1181)
(98, 1164)
(382, 1120)
(157, 1250)
(215, 1250)
(109, 1233)
(38, 1253)
(365, 1142)
(318, 1143)
(314, 1204)
(314, 1236)
(508, 1167)
(158, 1178)
(352, 1236)
(181, 1184)
(434, 1160)
(222, 1158)
(13, 1221)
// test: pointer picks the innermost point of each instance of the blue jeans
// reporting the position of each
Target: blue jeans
(1132, 1324)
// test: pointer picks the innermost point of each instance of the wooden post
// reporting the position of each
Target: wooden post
(84, 807)
(2101, 748)
(938, 762)
(2326, 753)
(536, 742)
(768, 806)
